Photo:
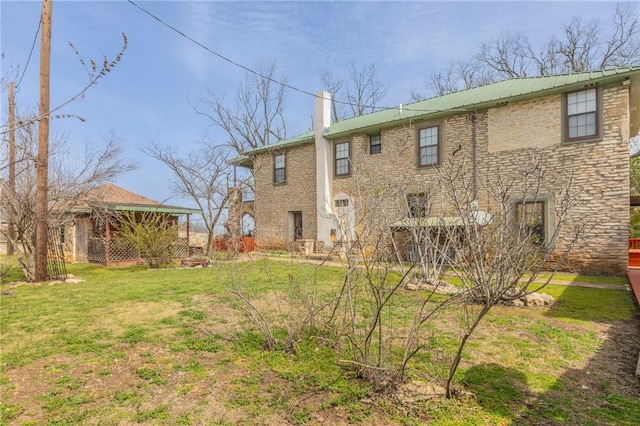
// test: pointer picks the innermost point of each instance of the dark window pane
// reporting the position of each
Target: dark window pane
(375, 144)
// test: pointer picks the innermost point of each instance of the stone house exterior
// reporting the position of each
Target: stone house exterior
(580, 124)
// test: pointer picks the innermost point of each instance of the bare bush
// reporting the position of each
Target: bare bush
(152, 235)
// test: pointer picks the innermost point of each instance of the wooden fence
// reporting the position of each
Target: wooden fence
(634, 252)
(242, 245)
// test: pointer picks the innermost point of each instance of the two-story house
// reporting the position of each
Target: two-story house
(580, 123)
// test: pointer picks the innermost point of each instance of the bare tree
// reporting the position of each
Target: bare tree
(70, 180)
(365, 91)
(501, 252)
(470, 73)
(582, 46)
(362, 91)
(202, 176)
(333, 85)
(257, 117)
(96, 70)
(496, 253)
(507, 55)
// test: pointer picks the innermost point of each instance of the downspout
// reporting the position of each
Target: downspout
(473, 154)
(188, 232)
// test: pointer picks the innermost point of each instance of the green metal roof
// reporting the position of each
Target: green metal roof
(491, 95)
(296, 140)
(160, 208)
(245, 160)
(154, 209)
(425, 222)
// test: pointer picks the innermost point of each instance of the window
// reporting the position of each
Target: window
(428, 146)
(375, 144)
(343, 161)
(581, 114)
(342, 203)
(279, 168)
(530, 220)
(418, 204)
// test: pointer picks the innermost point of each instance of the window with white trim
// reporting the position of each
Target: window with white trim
(582, 115)
(279, 168)
(342, 159)
(428, 146)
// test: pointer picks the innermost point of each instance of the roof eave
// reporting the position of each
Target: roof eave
(241, 161)
(151, 209)
(268, 148)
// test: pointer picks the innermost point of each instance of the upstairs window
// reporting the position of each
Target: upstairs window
(428, 146)
(375, 144)
(279, 168)
(342, 159)
(582, 114)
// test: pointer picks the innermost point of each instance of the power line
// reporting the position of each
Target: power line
(232, 62)
(252, 71)
(26, 65)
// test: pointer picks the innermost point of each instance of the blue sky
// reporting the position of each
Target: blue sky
(147, 96)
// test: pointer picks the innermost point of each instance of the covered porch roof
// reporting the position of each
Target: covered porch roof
(114, 198)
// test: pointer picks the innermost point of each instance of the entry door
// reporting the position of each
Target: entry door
(297, 226)
(82, 238)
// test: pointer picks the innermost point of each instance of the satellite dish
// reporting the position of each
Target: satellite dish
(482, 218)
(478, 216)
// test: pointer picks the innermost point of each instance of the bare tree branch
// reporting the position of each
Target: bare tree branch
(580, 47)
(201, 176)
(71, 179)
(257, 117)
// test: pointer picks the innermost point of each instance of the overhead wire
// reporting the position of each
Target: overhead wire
(221, 56)
(257, 73)
(26, 65)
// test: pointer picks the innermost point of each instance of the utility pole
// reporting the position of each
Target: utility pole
(42, 166)
(12, 164)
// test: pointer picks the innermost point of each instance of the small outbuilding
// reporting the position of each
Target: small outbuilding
(90, 236)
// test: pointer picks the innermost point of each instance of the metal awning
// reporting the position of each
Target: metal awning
(425, 222)
(174, 210)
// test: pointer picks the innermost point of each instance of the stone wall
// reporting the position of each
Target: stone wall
(274, 203)
(237, 208)
(505, 137)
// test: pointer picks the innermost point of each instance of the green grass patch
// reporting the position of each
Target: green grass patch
(167, 336)
(599, 279)
(590, 304)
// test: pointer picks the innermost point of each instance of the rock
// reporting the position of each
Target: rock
(411, 286)
(537, 299)
(548, 299)
(415, 391)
